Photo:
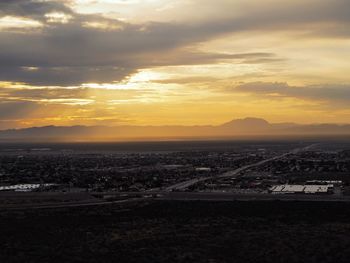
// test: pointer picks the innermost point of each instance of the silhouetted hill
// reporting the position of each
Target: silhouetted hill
(234, 128)
(247, 125)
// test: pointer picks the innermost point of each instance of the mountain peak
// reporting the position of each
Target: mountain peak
(247, 122)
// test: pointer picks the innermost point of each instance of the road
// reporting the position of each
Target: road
(234, 173)
(71, 204)
(224, 196)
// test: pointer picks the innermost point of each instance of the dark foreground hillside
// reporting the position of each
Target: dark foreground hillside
(179, 232)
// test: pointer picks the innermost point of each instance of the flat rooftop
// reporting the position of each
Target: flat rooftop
(306, 189)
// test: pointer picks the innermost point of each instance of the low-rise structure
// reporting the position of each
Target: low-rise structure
(301, 189)
(23, 187)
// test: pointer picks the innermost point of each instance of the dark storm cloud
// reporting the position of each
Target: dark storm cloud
(63, 76)
(32, 8)
(329, 93)
(71, 53)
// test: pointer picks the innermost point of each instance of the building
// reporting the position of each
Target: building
(324, 182)
(23, 187)
(301, 189)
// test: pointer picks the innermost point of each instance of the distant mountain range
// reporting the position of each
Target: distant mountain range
(248, 127)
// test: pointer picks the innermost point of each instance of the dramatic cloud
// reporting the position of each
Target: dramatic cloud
(32, 8)
(92, 48)
(327, 93)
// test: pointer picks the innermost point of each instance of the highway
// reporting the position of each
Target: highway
(37, 200)
(226, 196)
(234, 173)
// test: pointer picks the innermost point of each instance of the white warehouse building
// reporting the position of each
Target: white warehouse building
(301, 189)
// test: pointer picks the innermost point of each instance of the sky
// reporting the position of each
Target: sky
(173, 62)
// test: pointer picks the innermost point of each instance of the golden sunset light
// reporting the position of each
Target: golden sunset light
(180, 62)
